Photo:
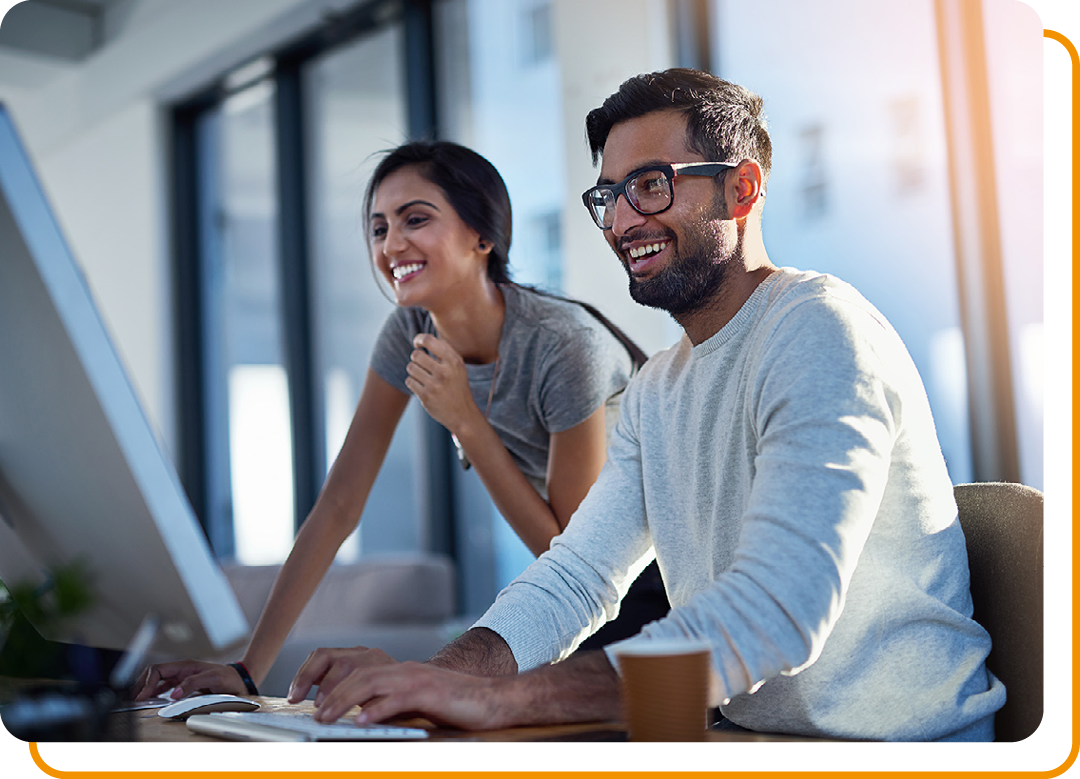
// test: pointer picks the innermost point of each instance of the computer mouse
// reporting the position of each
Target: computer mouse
(204, 704)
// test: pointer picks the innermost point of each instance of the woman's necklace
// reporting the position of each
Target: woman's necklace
(464, 458)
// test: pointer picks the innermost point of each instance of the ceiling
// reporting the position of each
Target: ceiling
(62, 30)
(41, 40)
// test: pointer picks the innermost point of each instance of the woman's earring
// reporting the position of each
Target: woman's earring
(481, 246)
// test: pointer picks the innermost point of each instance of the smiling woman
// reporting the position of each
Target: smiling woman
(527, 383)
(465, 337)
(423, 248)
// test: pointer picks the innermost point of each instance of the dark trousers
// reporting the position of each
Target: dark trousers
(645, 602)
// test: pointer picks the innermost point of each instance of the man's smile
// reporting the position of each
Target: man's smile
(643, 251)
(641, 255)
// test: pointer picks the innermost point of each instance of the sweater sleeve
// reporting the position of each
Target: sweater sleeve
(824, 415)
(576, 586)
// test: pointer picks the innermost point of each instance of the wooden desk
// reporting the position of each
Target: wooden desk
(150, 727)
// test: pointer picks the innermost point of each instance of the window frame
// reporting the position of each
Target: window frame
(200, 466)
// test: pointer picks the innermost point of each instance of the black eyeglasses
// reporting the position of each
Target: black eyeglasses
(648, 190)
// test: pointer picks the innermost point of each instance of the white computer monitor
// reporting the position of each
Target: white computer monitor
(82, 474)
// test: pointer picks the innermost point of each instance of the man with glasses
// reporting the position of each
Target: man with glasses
(780, 462)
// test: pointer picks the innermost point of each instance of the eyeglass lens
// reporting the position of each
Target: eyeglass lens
(649, 192)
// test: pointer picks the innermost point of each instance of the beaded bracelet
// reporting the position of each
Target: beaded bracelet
(245, 677)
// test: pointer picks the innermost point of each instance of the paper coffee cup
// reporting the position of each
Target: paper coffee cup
(665, 686)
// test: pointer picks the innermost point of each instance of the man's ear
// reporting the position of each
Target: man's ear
(747, 183)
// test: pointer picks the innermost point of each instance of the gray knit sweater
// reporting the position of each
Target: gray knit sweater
(786, 473)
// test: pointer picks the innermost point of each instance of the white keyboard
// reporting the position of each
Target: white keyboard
(282, 726)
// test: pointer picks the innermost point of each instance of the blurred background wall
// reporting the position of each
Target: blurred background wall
(207, 161)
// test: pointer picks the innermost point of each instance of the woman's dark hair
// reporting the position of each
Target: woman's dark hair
(478, 194)
(471, 184)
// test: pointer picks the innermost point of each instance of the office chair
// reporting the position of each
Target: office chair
(1003, 525)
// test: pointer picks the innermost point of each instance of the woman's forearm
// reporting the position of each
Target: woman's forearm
(531, 517)
(298, 578)
(334, 516)
(575, 458)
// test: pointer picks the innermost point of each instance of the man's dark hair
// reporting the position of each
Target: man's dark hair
(724, 121)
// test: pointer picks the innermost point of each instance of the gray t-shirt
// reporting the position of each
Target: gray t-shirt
(557, 365)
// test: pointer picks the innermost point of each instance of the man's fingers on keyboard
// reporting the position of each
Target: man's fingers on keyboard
(334, 676)
(348, 693)
(309, 675)
(381, 709)
(384, 690)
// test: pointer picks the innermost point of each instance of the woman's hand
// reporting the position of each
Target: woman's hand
(437, 376)
(188, 677)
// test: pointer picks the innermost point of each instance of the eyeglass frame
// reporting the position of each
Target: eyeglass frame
(671, 171)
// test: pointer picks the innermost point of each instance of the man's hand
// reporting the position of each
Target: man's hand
(445, 697)
(188, 677)
(386, 688)
(326, 668)
(582, 688)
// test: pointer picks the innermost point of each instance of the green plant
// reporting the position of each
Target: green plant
(24, 653)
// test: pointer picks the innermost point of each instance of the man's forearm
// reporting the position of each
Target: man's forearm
(582, 688)
(480, 652)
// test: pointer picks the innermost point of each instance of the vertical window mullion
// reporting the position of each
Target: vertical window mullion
(248, 296)
(213, 379)
(187, 308)
(295, 296)
(420, 69)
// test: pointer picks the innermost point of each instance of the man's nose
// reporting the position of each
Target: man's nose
(626, 216)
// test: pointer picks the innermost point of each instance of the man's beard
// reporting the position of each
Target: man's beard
(695, 275)
(686, 285)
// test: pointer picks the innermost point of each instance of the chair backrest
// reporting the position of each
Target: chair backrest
(1003, 525)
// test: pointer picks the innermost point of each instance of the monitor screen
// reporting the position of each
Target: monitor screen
(83, 477)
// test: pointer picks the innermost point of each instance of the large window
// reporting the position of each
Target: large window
(860, 185)
(247, 382)
(352, 116)
(506, 104)
(279, 306)
(500, 93)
